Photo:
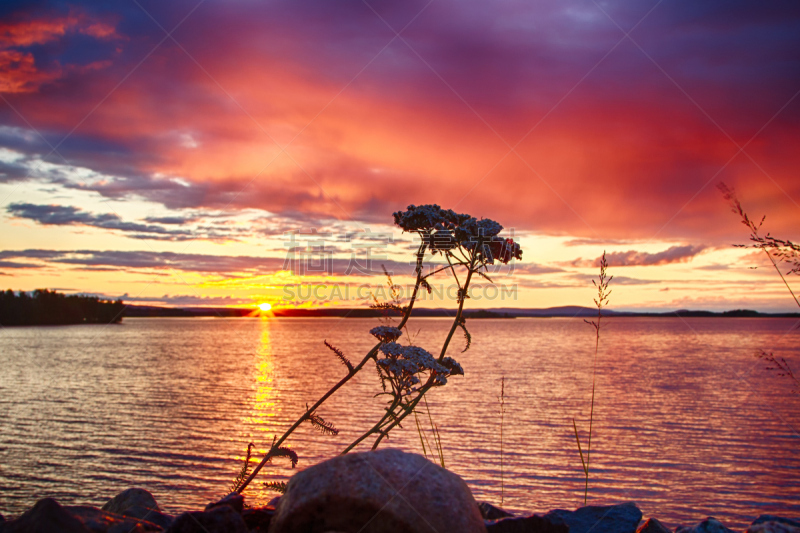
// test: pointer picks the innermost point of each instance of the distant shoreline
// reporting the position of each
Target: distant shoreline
(554, 312)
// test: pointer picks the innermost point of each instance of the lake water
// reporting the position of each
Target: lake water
(687, 421)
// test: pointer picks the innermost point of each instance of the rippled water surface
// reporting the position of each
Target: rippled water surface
(687, 421)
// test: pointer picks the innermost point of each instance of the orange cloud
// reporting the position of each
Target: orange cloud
(18, 72)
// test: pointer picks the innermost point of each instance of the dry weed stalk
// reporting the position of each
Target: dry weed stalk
(600, 301)
(782, 250)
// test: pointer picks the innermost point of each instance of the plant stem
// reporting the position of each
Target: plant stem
(780, 274)
(591, 409)
(502, 416)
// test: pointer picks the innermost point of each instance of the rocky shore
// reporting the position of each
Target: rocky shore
(385, 491)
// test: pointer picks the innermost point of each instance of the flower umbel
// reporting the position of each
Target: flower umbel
(386, 333)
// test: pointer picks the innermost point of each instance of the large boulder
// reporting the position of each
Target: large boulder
(709, 525)
(387, 491)
(222, 519)
(128, 498)
(622, 518)
(46, 516)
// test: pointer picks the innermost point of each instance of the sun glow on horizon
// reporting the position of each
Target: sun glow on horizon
(265, 306)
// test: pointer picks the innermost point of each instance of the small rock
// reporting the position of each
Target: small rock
(130, 498)
(222, 519)
(772, 518)
(257, 520)
(383, 491)
(527, 524)
(150, 515)
(46, 516)
(622, 518)
(652, 525)
(490, 512)
(709, 525)
(773, 527)
(274, 502)
(234, 500)
(98, 521)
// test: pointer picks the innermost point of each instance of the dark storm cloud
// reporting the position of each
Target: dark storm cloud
(58, 215)
(311, 264)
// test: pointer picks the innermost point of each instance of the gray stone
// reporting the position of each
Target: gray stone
(709, 525)
(274, 502)
(490, 512)
(99, 521)
(130, 498)
(384, 491)
(622, 518)
(773, 526)
(527, 524)
(46, 516)
(772, 518)
(221, 519)
(652, 525)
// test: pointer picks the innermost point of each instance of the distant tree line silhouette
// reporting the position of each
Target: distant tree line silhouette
(44, 307)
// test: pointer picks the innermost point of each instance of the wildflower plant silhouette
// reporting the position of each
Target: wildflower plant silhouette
(406, 372)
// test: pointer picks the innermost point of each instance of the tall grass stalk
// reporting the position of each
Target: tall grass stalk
(502, 420)
(784, 250)
(437, 438)
(600, 301)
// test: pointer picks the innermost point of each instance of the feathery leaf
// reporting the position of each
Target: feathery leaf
(467, 337)
(277, 486)
(322, 425)
(244, 471)
(345, 361)
(285, 452)
(425, 285)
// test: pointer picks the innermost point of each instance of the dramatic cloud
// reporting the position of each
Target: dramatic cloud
(23, 71)
(67, 215)
(56, 215)
(618, 280)
(311, 264)
(324, 112)
(673, 254)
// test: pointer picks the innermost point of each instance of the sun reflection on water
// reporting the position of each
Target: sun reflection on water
(257, 421)
(263, 402)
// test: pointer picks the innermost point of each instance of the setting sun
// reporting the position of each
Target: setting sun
(265, 306)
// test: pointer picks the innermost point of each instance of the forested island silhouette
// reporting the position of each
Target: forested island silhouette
(43, 307)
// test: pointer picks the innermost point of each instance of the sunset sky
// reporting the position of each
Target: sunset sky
(185, 153)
